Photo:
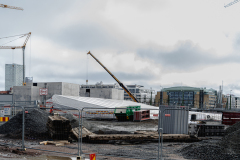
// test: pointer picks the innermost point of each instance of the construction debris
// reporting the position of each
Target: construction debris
(56, 143)
(85, 132)
(58, 127)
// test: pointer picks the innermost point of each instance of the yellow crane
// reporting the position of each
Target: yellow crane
(23, 49)
(120, 83)
(10, 7)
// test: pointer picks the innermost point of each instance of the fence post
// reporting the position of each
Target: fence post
(79, 145)
(162, 113)
(160, 132)
(23, 127)
(81, 130)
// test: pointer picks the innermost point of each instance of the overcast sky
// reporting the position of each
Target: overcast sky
(148, 42)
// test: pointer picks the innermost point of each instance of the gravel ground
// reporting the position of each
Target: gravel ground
(232, 128)
(226, 148)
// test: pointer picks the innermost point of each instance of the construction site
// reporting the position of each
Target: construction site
(68, 121)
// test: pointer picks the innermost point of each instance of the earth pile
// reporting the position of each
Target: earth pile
(35, 124)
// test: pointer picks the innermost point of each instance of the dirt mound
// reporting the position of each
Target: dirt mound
(35, 124)
(231, 142)
(207, 151)
(232, 128)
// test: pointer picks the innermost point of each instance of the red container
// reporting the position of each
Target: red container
(141, 115)
(230, 118)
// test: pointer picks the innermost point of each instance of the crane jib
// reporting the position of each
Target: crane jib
(121, 84)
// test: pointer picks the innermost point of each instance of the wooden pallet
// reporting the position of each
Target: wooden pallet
(85, 132)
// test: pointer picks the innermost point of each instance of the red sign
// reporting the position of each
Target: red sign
(92, 156)
(167, 115)
(43, 91)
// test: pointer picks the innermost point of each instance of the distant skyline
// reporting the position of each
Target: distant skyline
(151, 43)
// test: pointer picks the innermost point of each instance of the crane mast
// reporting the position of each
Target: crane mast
(120, 83)
(23, 49)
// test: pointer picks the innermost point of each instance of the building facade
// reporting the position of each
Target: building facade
(142, 94)
(230, 101)
(187, 96)
(31, 92)
(100, 90)
(237, 102)
(13, 75)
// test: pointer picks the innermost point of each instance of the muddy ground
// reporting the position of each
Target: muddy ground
(104, 150)
(117, 150)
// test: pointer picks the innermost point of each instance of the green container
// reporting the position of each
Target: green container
(126, 114)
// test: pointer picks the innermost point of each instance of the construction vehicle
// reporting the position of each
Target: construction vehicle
(120, 83)
(20, 47)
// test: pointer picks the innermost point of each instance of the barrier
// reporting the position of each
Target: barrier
(4, 119)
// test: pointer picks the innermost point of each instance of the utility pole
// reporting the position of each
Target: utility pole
(230, 100)
(151, 97)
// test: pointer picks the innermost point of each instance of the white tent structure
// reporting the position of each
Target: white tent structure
(110, 104)
(90, 102)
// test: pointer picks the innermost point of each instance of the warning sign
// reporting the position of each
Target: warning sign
(43, 91)
(92, 156)
(167, 115)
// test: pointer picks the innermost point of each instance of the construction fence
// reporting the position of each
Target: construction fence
(82, 132)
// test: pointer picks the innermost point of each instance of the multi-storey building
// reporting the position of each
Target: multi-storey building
(230, 101)
(13, 75)
(100, 90)
(187, 96)
(142, 94)
(237, 102)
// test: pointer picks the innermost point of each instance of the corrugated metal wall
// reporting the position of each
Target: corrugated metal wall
(175, 120)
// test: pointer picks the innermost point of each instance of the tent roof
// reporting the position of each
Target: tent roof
(90, 102)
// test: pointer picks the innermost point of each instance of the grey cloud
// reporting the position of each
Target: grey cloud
(88, 36)
(82, 35)
(186, 56)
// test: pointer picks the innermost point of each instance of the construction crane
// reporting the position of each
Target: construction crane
(10, 7)
(23, 49)
(120, 83)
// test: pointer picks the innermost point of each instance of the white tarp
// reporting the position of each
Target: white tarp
(90, 102)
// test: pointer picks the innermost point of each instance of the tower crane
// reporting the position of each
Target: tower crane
(10, 7)
(23, 49)
(120, 83)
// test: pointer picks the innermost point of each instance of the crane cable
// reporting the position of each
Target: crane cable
(87, 72)
(14, 36)
(13, 40)
(30, 56)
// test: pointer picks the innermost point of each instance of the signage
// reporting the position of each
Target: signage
(7, 111)
(43, 91)
(92, 156)
(167, 115)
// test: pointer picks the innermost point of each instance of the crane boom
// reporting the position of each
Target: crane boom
(120, 83)
(10, 7)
